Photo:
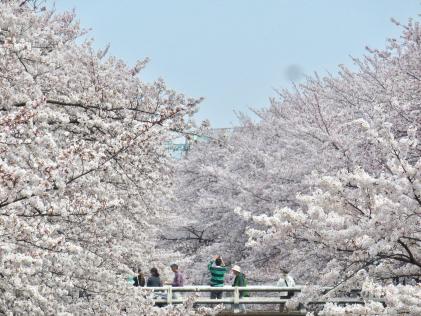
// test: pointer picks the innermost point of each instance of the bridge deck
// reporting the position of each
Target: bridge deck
(261, 313)
(168, 295)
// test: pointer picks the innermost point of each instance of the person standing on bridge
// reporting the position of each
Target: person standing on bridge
(285, 281)
(178, 276)
(240, 280)
(154, 280)
(178, 280)
(139, 280)
(217, 269)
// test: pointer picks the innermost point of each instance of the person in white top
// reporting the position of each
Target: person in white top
(285, 281)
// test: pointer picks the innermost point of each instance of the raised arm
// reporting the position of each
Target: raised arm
(210, 264)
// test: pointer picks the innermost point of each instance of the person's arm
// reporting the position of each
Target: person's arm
(235, 281)
(210, 264)
(148, 284)
(180, 280)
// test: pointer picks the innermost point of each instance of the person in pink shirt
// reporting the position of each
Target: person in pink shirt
(177, 281)
(178, 276)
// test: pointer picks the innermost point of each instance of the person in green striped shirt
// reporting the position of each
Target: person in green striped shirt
(217, 269)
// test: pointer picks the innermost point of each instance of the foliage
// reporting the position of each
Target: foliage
(326, 184)
(82, 168)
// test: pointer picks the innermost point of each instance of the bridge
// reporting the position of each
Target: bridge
(181, 145)
(166, 295)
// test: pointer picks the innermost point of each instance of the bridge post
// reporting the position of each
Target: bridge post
(169, 295)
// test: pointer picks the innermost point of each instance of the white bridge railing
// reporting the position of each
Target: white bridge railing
(167, 295)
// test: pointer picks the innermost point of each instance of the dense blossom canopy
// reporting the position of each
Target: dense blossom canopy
(81, 168)
(326, 184)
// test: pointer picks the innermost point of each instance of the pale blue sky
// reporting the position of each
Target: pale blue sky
(235, 52)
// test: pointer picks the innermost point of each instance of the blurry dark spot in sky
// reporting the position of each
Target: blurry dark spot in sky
(294, 73)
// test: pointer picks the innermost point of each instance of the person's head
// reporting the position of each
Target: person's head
(284, 271)
(154, 272)
(218, 261)
(236, 270)
(174, 267)
(139, 270)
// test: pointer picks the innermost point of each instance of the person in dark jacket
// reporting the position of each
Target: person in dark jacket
(240, 280)
(139, 280)
(154, 280)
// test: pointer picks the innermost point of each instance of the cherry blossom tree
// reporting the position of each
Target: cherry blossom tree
(327, 183)
(364, 220)
(82, 168)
